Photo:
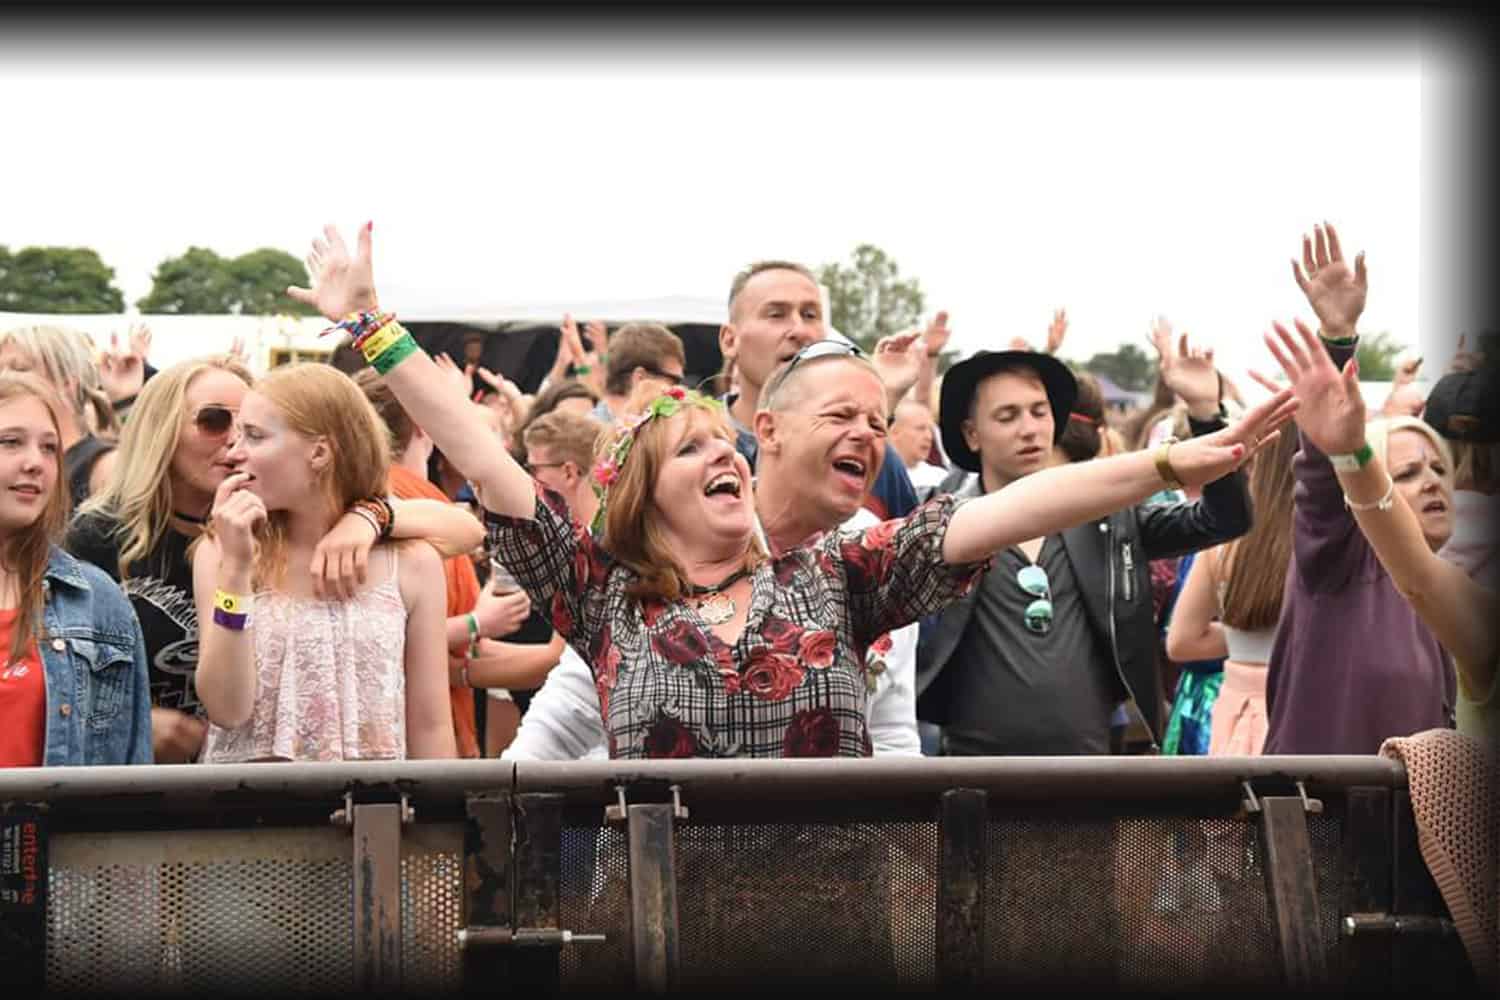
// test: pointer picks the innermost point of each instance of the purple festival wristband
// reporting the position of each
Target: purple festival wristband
(231, 621)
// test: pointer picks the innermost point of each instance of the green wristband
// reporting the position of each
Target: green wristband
(394, 355)
(1355, 460)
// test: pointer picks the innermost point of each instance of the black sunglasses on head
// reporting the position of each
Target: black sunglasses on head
(214, 419)
(817, 349)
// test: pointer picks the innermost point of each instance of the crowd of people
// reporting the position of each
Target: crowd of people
(823, 553)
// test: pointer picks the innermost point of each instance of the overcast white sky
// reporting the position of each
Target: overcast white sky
(1009, 178)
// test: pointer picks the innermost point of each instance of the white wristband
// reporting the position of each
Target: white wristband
(1384, 503)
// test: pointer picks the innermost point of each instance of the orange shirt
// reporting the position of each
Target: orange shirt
(463, 594)
(23, 701)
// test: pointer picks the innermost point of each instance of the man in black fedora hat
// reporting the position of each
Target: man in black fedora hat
(1062, 631)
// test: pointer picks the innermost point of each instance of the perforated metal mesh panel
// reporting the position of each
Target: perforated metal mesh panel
(200, 910)
(779, 903)
(239, 911)
(432, 906)
(1139, 903)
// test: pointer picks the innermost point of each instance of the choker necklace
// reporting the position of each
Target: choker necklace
(715, 606)
(190, 519)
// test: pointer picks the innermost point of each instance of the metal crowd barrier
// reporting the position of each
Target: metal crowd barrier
(1297, 873)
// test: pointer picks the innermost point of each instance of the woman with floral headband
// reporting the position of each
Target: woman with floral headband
(701, 644)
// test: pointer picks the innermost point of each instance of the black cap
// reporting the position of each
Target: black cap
(1465, 406)
(960, 381)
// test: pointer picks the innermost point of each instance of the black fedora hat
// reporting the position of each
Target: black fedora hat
(960, 381)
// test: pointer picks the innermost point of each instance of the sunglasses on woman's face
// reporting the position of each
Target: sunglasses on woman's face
(214, 419)
(1038, 614)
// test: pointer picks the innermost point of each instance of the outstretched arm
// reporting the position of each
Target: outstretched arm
(1062, 497)
(344, 286)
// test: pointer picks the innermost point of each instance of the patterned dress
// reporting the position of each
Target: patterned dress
(792, 685)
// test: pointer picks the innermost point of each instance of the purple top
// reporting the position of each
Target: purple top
(1352, 664)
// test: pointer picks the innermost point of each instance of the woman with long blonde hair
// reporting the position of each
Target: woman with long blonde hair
(283, 673)
(73, 678)
(64, 359)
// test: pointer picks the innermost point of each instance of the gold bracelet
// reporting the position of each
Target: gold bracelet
(1164, 465)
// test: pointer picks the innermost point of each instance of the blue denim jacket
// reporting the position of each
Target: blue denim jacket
(94, 655)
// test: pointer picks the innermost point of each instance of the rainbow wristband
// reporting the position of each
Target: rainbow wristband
(392, 356)
(229, 620)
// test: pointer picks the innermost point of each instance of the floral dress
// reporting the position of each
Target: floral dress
(792, 685)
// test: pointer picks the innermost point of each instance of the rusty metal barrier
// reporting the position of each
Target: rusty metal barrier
(1294, 873)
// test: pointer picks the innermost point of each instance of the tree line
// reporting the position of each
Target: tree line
(197, 282)
(869, 298)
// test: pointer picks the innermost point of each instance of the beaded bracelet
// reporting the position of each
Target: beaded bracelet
(360, 324)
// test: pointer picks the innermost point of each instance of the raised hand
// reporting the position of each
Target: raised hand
(122, 373)
(460, 379)
(935, 337)
(1331, 410)
(1186, 370)
(898, 361)
(1336, 294)
(1057, 330)
(341, 284)
(236, 514)
(1203, 459)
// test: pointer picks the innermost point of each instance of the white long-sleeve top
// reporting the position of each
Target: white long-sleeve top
(563, 720)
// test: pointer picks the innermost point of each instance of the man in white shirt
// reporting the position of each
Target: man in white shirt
(911, 435)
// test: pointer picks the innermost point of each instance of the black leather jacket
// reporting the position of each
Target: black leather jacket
(1110, 560)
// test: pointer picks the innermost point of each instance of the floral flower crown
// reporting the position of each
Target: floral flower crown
(607, 471)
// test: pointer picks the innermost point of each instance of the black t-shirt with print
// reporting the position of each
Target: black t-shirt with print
(160, 587)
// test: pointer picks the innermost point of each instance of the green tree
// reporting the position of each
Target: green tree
(868, 299)
(1129, 367)
(57, 280)
(1377, 357)
(200, 282)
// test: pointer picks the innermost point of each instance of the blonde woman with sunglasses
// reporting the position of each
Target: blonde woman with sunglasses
(172, 457)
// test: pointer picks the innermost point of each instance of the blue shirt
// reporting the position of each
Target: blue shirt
(94, 658)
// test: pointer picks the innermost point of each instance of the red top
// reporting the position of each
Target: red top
(23, 701)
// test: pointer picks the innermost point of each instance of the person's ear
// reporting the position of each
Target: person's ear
(971, 435)
(729, 341)
(321, 458)
(767, 433)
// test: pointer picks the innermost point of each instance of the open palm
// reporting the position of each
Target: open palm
(1331, 411)
(1334, 290)
(341, 284)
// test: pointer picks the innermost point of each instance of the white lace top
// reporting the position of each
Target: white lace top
(330, 679)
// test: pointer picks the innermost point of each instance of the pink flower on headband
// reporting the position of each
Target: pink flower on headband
(677, 393)
(605, 473)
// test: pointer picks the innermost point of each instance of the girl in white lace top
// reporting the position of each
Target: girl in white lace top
(285, 673)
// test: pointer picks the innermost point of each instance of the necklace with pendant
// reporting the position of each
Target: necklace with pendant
(713, 605)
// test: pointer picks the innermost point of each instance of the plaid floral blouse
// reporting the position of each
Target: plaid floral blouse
(792, 685)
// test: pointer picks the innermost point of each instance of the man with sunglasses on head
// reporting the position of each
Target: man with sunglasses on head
(775, 310)
(1037, 659)
(643, 358)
